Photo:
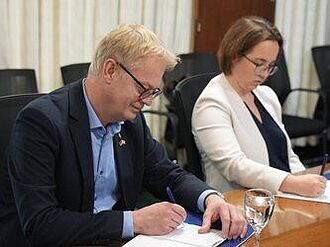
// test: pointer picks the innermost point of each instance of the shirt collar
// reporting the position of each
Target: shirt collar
(94, 121)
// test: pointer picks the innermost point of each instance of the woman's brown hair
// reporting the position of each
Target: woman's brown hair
(241, 37)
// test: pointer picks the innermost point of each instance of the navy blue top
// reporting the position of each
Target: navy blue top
(274, 137)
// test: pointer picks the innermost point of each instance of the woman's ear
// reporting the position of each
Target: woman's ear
(235, 60)
(108, 71)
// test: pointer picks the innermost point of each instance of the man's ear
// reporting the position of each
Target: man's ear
(108, 71)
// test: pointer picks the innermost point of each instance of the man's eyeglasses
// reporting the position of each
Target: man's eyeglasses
(147, 92)
(260, 68)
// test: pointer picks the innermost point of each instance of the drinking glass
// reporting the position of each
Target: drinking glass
(258, 208)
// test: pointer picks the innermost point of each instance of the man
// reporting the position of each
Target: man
(79, 157)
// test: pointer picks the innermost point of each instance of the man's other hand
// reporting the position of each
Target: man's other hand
(232, 219)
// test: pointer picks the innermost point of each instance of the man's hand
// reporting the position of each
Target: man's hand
(158, 219)
(232, 220)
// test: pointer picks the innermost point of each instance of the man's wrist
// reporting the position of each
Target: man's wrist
(215, 193)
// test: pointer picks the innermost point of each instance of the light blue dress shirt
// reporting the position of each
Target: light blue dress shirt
(105, 174)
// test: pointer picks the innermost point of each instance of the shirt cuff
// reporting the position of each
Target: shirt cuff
(128, 229)
(201, 199)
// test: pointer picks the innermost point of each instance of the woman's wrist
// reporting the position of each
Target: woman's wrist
(288, 184)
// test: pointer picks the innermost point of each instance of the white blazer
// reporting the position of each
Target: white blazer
(232, 149)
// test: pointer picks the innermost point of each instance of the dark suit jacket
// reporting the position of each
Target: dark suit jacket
(47, 187)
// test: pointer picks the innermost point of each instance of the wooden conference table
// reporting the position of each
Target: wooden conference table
(294, 222)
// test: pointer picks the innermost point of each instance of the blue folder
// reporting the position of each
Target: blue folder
(327, 175)
(196, 218)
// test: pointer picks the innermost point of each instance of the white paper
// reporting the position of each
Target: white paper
(181, 237)
(323, 198)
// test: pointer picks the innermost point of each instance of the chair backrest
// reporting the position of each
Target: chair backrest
(186, 94)
(280, 81)
(9, 108)
(198, 63)
(321, 57)
(17, 81)
(73, 72)
(191, 64)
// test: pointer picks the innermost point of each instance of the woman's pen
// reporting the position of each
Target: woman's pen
(325, 161)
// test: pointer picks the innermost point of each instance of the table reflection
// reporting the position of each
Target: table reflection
(294, 222)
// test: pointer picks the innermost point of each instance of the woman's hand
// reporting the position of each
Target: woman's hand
(311, 185)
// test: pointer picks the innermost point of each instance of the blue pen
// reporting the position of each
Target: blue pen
(325, 161)
(170, 194)
(172, 199)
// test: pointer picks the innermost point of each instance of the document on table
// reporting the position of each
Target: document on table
(180, 237)
(323, 198)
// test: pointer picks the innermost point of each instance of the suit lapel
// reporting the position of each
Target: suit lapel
(241, 109)
(244, 118)
(80, 131)
(125, 169)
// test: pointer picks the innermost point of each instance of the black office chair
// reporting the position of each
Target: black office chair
(186, 94)
(73, 72)
(295, 126)
(9, 108)
(191, 64)
(17, 81)
(321, 57)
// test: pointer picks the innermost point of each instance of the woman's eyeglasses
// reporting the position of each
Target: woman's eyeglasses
(261, 68)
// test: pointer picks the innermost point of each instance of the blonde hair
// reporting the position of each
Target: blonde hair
(128, 43)
(241, 37)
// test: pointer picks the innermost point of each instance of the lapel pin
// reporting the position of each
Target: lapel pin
(122, 142)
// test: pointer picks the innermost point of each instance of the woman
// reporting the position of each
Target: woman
(237, 124)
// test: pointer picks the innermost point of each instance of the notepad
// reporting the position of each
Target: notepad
(197, 219)
(325, 198)
(180, 237)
